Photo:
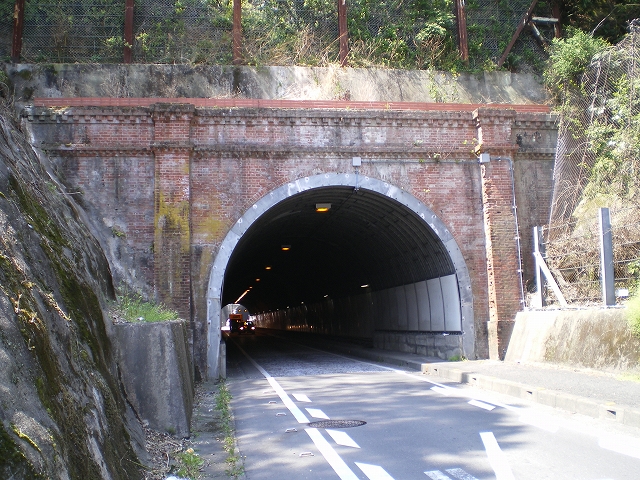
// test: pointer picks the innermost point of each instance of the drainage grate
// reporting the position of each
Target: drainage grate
(336, 423)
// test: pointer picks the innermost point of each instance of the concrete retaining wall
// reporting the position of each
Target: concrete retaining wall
(595, 338)
(157, 373)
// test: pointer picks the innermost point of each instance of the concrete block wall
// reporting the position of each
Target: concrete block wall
(592, 338)
(156, 371)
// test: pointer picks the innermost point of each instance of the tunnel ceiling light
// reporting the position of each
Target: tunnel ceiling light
(323, 207)
(241, 296)
(286, 248)
(364, 286)
(257, 279)
(268, 267)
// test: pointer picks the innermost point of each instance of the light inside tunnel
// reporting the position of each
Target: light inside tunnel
(365, 238)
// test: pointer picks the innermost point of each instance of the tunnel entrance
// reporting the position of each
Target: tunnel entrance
(348, 256)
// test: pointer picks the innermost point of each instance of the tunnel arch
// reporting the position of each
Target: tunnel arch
(424, 233)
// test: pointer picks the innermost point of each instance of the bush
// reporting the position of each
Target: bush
(569, 58)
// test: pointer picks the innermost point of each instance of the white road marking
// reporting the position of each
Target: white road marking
(456, 472)
(540, 421)
(330, 455)
(460, 474)
(411, 375)
(293, 408)
(374, 472)
(478, 403)
(301, 397)
(444, 391)
(327, 451)
(437, 475)
(497, 458)
(317, 413)
(342, 438)
(629, 446)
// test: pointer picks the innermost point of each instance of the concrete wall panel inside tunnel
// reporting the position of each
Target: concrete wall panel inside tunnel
(417, 273)
(436, 304)
(424, 308)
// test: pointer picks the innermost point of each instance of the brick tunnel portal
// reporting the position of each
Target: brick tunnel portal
(376, 265)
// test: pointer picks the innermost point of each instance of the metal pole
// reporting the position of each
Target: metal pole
(463, 44)
(538, 248)
(128, 30)
(237, 32)
(18, 24)
(343, 34)
(521, 25)
(606, 259)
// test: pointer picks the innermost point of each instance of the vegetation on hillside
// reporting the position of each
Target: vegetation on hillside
(421, 34)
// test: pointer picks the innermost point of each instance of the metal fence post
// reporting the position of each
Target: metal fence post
(237, 32)
(463, 43)
(538, 248)
(606, 259)
(343, 34)
(128, 30)
(18, 23)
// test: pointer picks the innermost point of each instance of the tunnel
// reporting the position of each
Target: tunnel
(349, 256)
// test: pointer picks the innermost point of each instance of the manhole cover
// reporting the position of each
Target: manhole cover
(336, 423)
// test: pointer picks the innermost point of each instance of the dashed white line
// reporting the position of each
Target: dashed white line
(330, 455)
(342, 438)
(301, 397)
(437, 475)
(460, 474)
(317, 413)
(455, 472)
(497, 458)
(374, 472)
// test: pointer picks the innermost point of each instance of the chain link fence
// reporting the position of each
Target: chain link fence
(598, 164)
(383, 33)
(491, 25)
(575, 264)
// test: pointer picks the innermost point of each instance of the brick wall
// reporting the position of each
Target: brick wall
(175, 178)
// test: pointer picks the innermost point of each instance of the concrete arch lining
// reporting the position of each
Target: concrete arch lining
(461, 279)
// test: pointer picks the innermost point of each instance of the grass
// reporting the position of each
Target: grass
(633, 314)
(235, 468)
(457, 358)
(133, 308)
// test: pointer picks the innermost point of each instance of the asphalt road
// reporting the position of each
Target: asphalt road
(416, 427)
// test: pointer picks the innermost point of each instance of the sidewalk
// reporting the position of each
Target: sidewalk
(594, 393)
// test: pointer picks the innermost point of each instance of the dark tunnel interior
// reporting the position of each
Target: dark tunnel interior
(365, 240)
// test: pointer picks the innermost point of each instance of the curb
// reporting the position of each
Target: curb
(551, 398)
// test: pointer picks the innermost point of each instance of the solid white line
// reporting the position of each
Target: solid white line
(629, 446)
(342, 438)
(497, 458)
(374, 472)
(317, 413)
(436, 475)
(408, 374)
(447, 392)
(301, 397)
(540, 421)
(478, 403)
(293, 408)
(460, 474)
(330, 455)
